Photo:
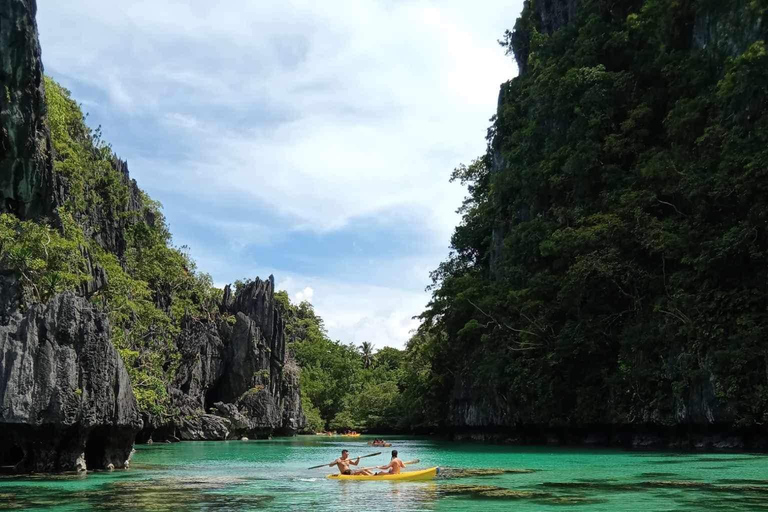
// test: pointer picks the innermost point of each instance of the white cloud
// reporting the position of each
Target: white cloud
(177, 120)
(319, 113)
(304, 295)
(381, 99)
(354, 313)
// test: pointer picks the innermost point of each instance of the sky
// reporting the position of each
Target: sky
(309, 140)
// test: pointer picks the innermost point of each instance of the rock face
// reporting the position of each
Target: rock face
(65, 397)
(552, 15)
(28, 187)
(66, 401)
(728, 28)
(108, 226)
(236, 377)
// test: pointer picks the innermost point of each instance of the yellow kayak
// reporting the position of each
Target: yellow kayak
(422, 474)
(350, 435)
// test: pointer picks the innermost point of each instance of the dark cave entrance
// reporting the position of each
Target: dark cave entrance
(95, 448)
(10, 455)
(212, 395)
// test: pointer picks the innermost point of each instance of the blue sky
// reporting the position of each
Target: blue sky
(309, 140)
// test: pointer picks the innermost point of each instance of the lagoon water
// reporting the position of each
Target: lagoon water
(272, 475)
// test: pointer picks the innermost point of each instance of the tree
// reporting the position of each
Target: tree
(366, 350)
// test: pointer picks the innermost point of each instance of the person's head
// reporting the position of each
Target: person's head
(344, 454)
(394, 454)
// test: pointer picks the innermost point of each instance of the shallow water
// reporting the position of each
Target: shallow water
(272, 475)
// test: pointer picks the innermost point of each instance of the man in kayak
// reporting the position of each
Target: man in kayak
(394, 466)
(343, 463)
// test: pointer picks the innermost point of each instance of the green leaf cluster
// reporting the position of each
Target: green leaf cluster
(82, 157)
(47, 260)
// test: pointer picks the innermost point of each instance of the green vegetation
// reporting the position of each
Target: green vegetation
(46, 260)
(343, 387)
(82, 157)
(611, 262)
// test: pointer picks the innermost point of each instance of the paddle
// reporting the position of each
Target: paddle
(361, 457)
(414, 461)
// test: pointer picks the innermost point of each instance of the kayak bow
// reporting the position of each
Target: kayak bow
(422, 474)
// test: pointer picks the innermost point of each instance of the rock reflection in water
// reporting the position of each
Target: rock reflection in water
(155, 495)
(159, 495)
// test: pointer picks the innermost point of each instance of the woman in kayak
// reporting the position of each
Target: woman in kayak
(394, 466)
(343, 463)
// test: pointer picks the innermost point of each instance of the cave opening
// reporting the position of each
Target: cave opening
(95, 448)
(211, 396)
(10, 456)
(15, 207)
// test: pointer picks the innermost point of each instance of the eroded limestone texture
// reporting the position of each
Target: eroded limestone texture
(65, 397)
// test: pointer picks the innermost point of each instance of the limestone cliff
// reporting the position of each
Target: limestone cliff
(236, 377)
(506, 377)
(66, 399)
(27, 185)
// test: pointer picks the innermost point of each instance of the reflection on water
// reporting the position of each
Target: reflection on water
(272, 475)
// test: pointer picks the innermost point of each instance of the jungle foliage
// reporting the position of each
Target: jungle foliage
(611, 265)
(346, 387)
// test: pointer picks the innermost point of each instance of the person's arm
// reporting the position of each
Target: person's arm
(355, 462)
(333, 463)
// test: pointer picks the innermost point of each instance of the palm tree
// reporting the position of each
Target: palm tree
(366, 350)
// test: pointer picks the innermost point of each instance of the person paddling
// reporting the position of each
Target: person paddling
(394, 466)
(344, 462)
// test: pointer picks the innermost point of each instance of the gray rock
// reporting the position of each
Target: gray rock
(237, 369)
(65, 396)
(555, 14)
(28, 186)
(203, 427)
(728, 28)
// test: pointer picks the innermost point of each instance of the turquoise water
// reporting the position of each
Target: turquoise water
(272, 475)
